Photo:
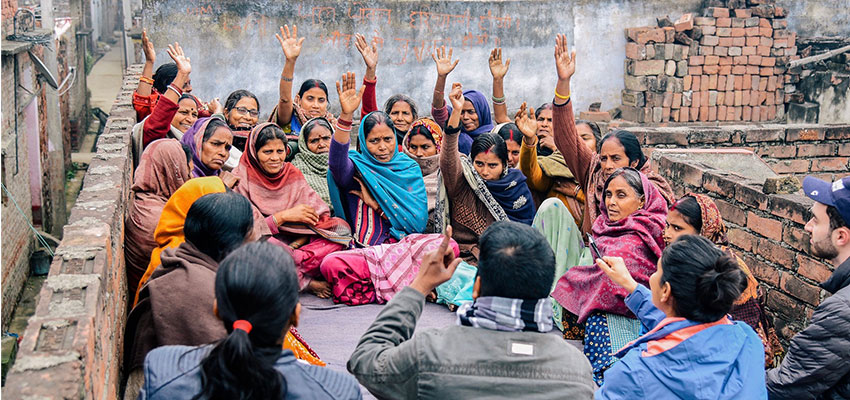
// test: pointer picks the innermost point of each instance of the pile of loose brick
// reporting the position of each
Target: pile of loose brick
(727, 65)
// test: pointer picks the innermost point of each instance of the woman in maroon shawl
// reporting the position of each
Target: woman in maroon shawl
(164, 167)
(287, 208)
(631, 226)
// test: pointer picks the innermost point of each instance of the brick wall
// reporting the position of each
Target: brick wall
(765, 230)
(73, 344)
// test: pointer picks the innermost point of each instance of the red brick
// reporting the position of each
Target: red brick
(748, 113)
(731, 213)
(798, 134)
(816, 150)
(738, 32)
(790, 207)
(778, 151)
(763, 50)
(711, 69)
(752, 31)
(749, 194)
(797, 238)
(844, 149)
(774, 252)
(695, 70)
(767, 227)
(635, 51)
(796, 287)
(813, 269)
(838, 133)
(723, 22)
(790, 166)
(717, 12)
(656, 35)
(838, 164)
(686, 173)
(632, 33)
(752, 41)
(743, 13)
(648, 67)
(749, 51)
(785, 305)
(719, 182)
(685, 23)
(742, 239)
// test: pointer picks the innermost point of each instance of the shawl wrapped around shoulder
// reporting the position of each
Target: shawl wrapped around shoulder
(314, 166)
(430, 165)
(636, 238)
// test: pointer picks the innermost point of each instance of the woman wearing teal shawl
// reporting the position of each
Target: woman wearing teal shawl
(380, 192)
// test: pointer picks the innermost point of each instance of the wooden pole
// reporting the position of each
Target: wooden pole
(819, 57)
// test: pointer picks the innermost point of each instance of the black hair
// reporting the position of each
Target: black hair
(388, 106)
(632, 177)
(214, 124)
(269, 133)
(217, 223)
(594, 128)
(374, 119)
(490, 141)
(512, 252)
(312, 83)
(237, 95)
(690, 210)
(308, 129)
(188, 151)
(544, 106)
(630, 144)
(421, 130)
(510, 131)
(256, 283)
(835, 219)
(163, 77)
(705, 281)
(187, 96)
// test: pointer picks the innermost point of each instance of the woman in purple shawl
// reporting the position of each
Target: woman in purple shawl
(210, 141)
(475, 117)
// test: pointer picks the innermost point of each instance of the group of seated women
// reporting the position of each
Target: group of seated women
(358, 213)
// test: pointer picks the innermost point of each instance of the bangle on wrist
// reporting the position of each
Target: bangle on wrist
(285, 78)
(274, 220)
(171, 86)
(145, 79)
(558, 95)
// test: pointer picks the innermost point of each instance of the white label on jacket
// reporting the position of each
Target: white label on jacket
(523, 349)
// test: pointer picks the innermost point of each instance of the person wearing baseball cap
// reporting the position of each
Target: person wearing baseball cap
(817, 365)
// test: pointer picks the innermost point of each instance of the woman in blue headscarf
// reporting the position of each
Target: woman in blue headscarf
(380, 192)
(475, 117)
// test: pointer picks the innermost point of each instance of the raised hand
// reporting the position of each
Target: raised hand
(527, 123)
(444, 61)
(369, 53)
(349, 96)
(616, 270)
(184, 65)
(437, 266)
(289, 42)
(565, 61)
(301, 213)
(456, 96)
(215, 106)
(147, 48)
(497, 69)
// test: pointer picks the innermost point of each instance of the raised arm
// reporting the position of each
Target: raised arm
(450, 167)
(349, 100)
(499, 70)
(291, 46)
(569, 143)
(146, 82)
(159, 123)
(527, 124)
(443, 61)
(370, 58)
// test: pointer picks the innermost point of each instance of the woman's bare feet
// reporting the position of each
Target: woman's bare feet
(321, 289)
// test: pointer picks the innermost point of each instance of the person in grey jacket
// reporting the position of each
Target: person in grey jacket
(817, 365)
(256, 294)
(500, 348)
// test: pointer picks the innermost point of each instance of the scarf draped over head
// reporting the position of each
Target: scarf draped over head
(485, 120)
(636, 238)
(194, 138)
(429, 165)
(169, 231)
(282, 191)
(314, 166)
(595, 195)
(506, 314)
(396, 185)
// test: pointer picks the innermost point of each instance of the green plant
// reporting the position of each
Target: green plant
(89, 62)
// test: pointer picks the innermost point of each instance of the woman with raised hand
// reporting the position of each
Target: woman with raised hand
(631, 227)
(286, 208)
(696, 214)
(475, 118)
(381, 193)
(618, 149)
(481, 187)
(256, 299)
(702, 353)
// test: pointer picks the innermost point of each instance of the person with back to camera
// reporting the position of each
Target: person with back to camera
(256, 298)
(817, 364)
(693, 350)
(501, 347)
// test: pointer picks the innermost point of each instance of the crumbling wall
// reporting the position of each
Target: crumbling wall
(72, 346)
(821, 88)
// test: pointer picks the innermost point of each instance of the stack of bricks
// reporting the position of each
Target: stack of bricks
(727, 65)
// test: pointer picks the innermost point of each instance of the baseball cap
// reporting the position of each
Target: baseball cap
(836, 194)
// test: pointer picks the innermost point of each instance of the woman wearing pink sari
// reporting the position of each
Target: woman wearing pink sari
(631, 226)
(287, 208)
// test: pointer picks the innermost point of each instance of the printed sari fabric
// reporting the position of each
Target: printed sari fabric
(377, 273)
(602, 335)
(396, 186)
(162, 170)
(169, 230)
(636, 238)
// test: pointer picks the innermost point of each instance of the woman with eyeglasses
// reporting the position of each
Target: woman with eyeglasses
(241, 112)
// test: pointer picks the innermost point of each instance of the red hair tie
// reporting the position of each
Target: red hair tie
(242, 325)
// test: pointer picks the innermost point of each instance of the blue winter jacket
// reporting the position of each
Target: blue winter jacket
(722, 361)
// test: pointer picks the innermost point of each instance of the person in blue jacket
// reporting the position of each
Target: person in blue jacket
(693, 350)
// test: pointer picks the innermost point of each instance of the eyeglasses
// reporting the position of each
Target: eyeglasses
(243, 110)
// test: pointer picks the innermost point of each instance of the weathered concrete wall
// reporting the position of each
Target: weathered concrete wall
(72, 346)
(238, 42)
